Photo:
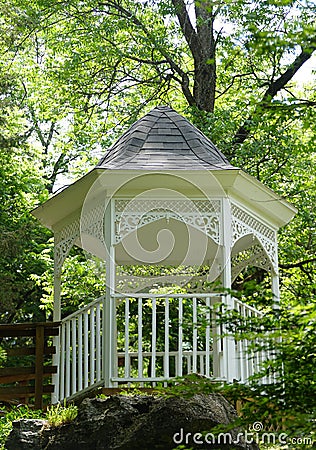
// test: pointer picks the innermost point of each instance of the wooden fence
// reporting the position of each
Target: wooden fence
(20, 382)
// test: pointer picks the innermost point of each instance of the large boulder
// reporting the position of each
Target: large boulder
(139, 422)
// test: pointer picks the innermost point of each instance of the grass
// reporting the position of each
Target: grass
(59, 415)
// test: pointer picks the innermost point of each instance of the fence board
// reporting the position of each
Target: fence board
(17, 390)
(14, 374)
(26, 351)
(37, 372)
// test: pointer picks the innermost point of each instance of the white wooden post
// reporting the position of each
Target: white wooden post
(153, 338)
(166, 353)
(140, 338)
(109, 307)
(126, 345)
(195, 335)
(217, 346)
(180, 339)
(207, 336)
(275, 290)
(228, 371)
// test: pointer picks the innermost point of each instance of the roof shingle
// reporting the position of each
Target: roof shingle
(163, 139)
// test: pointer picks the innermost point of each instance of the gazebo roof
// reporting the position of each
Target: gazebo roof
(164, 140)
(164, 150)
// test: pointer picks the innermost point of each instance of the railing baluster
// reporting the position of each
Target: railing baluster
(180, 339)
(244, 354)
(126, 340)
(189, 365)
(102, 339)
(98, 342)
(80, 367)
(62, 361)
(202, 366)
(86, 349)
(166, 356)
(153, 338)
(237, 307)
(195, 335)
(248, 354)
(68, 374)
(92, 346)
(74, 355)
(140, 338)
(207, 336)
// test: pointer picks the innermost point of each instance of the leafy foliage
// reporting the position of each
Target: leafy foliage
(22, 239)
(288, 334)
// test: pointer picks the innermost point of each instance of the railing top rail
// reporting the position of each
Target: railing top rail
(147, 295)
(144, 295)
(82, 310)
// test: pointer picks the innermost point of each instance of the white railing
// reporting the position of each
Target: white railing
(80, 350)
(248, 361)
(174, 336)
(158, 337)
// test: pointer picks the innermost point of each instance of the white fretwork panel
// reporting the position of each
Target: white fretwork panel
(201, 214)
(90, 223)
(244, 224)
(64, 240)
(254, 256)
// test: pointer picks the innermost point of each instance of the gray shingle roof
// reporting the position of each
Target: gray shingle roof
(164, 140)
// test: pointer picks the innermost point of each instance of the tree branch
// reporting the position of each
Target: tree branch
(132, 17)
(274, 87)
(298, 264)
(186, 26)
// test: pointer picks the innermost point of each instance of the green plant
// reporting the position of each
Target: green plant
(59, 415)
(102, 396)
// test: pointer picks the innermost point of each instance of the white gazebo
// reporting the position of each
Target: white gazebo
(163, 195)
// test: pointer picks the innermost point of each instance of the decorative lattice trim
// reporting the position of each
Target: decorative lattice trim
(254, 256)
(243, 224)
(201, 214)
(90, 223)
(64, 240)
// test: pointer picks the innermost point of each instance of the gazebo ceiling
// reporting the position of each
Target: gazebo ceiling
(164, 140)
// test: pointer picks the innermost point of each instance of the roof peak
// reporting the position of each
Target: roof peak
(164, 140)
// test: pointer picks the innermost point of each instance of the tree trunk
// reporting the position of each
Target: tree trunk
(204, 58)
(204, 85)
(200, 39)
